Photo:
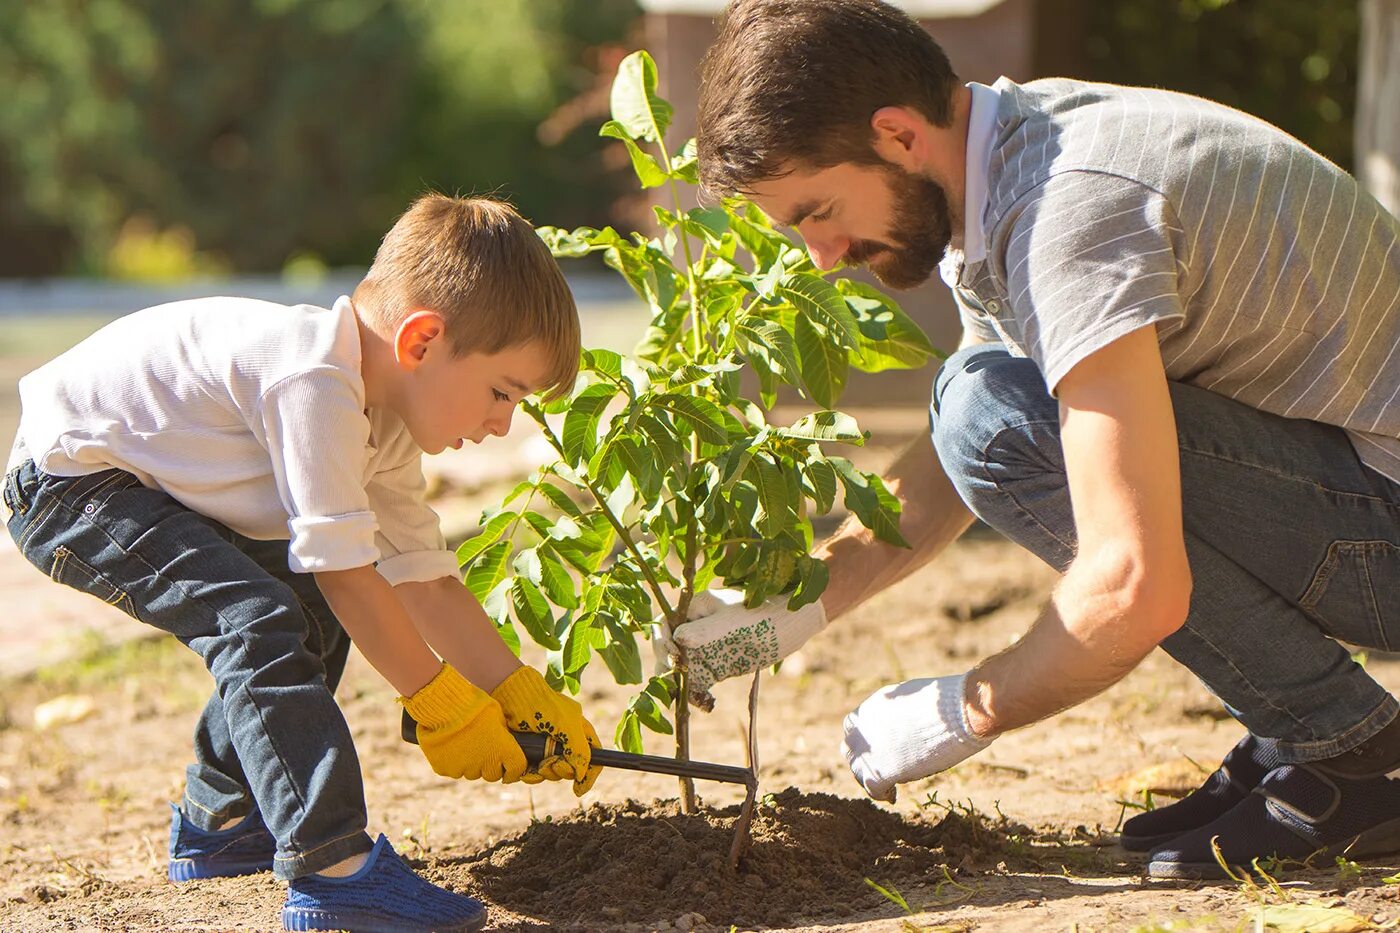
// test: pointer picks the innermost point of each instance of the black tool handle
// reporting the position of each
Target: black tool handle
(537, 747)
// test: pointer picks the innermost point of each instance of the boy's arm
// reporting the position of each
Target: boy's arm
(447, 616)
(377, 622)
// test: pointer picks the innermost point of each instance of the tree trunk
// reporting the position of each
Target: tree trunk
(1378, 103)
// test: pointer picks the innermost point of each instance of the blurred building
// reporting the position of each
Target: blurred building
(984, 39)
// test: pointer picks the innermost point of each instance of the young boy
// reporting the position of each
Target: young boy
(247, 477)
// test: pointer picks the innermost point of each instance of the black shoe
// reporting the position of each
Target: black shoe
(1297, 811)
(1241, 771)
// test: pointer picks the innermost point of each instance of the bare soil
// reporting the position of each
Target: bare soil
(1019, 838)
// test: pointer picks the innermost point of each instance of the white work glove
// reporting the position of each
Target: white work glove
(723, 639)
(903, 732)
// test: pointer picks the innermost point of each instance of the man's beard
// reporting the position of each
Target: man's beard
(919, 232)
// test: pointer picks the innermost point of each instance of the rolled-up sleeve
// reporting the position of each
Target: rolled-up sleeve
(410, 537)
(316, 433)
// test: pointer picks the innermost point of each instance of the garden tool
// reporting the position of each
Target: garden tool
(538, 746)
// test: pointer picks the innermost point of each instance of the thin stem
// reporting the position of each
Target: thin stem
(613, 520)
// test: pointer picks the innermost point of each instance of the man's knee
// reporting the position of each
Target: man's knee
(978, 394)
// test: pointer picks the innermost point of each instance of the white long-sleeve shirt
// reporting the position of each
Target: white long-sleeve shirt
(248, 412)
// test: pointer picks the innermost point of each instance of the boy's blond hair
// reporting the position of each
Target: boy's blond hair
(480, 265)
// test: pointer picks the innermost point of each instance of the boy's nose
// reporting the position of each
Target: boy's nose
(499, 425)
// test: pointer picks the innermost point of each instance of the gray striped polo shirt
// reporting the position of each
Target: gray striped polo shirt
(1271, 276)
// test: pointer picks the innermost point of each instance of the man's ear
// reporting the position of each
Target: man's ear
(415, 335)
(901, 136)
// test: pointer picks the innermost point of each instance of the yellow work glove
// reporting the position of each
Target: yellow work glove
(531, 706)
(463, 732)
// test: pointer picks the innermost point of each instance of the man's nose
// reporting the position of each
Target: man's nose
(826, 251)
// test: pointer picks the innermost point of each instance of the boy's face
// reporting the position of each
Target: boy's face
(446, 400)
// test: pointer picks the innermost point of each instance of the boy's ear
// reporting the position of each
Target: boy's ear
(416, 333)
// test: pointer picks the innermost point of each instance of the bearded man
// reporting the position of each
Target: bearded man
(1179, 385)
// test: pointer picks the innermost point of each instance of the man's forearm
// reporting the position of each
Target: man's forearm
(932, 517)
(375, 620)
(449, 618)
(1090, 635)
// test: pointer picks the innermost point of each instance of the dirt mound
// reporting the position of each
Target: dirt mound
(641, 863)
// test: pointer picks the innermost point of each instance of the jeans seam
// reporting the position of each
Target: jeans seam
(1243, 678)
(1005, 490)
(61, 499)
(1303, 480)
(1375, 604)
(329, 842)
(224, 627)
(1334, 745)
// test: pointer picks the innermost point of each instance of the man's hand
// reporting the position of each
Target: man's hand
(723, 639)
(531, 706)
(462, 731)
(903, 732)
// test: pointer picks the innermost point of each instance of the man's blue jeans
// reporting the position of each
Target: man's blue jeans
(1294, 544)
(272, 731)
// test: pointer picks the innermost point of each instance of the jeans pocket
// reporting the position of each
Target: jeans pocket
(71, 570)
(1356, 593)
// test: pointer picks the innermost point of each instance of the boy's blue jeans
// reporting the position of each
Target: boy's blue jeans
(1294, 544)
(271, 732)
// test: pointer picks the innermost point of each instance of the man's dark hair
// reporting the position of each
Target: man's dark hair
(796, 81)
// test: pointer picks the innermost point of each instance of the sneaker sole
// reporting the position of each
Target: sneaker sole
(193, 869)
(1378, 840)
(299, 919)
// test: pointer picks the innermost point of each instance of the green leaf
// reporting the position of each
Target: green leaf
(560, 500)
(532, 611)
(708, 420)
(488, 570)
(826, 426)
(819, 301)
(811, 583)
(684, 164)
(634, 102)
(889, 338)
(555, 580)
(873, 504)
(821, 479)
(628, 737)
(604, 362)
(824, 366)
(527, 565)
(649, 171)
(775, 510)
(583, 638)
(622, 658)
(490, 533)
(509, 635)
(580, 437)
(772, 343)
(650, 715)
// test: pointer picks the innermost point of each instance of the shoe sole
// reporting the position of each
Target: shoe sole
(194, 869)
(302, 920)
(1378, 840)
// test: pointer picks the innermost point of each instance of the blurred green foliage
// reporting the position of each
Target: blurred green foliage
(1291, 62)
(270, 128)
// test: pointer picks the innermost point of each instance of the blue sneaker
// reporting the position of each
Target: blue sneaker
(1296, 812)
(384, 896)
(245, 849)
(1238, 774)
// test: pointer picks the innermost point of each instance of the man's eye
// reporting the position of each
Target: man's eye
(500, 396)
(822, 215)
